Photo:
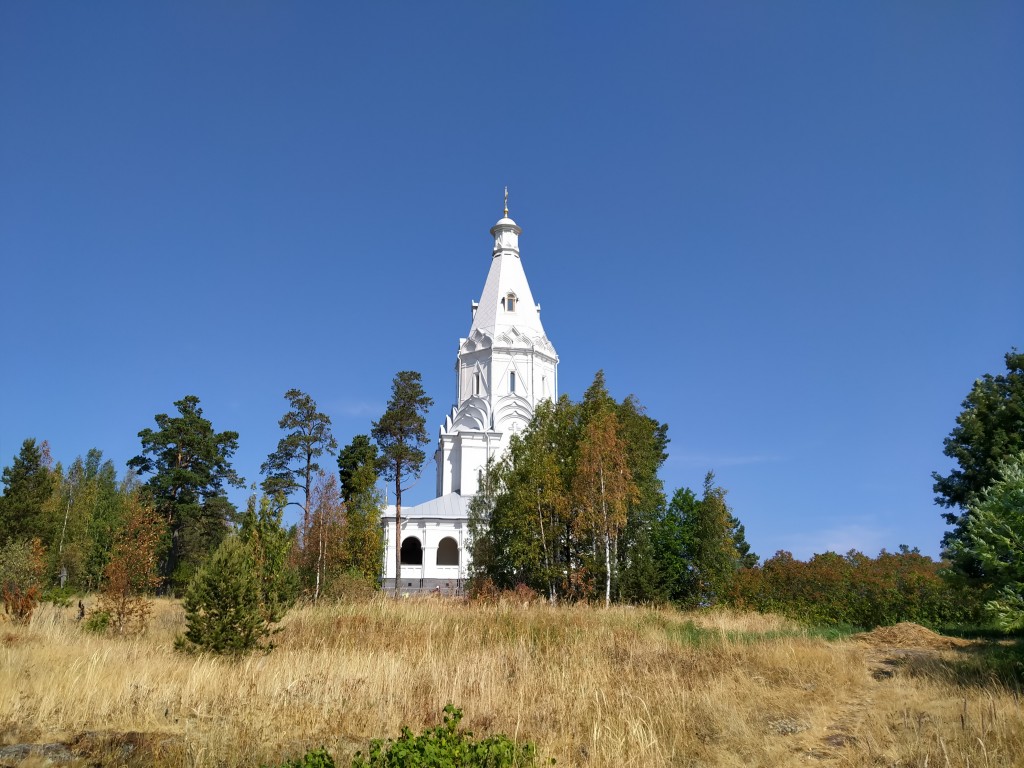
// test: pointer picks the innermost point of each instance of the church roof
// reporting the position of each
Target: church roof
(449, 507)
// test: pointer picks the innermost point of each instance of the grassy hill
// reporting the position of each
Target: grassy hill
(589, 686)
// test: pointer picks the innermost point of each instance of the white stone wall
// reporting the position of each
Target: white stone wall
(429, 532)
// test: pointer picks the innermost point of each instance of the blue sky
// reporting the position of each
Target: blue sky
(793, 230)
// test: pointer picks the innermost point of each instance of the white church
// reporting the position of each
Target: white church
(505, 367)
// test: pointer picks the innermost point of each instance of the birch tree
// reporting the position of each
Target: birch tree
(604, 488)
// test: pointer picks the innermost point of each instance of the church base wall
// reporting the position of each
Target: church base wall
(409, 587)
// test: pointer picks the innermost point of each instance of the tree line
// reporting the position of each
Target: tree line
(574, 511)
(66, 522)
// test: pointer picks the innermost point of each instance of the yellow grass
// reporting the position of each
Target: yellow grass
(593, 687)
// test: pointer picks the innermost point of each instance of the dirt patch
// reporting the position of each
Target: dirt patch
(94, 748)
(907, 634)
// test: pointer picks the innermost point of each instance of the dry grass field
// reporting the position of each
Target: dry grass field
(591, 687)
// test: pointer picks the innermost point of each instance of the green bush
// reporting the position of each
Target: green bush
(97, 621)
(317, 758)
(59, 596)
(443, 746)
(855, 589)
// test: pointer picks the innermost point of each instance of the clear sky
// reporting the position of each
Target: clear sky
(794, 230)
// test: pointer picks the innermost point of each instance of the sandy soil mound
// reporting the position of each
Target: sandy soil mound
(906, 634)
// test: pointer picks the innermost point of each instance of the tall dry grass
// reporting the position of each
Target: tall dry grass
(594, 687)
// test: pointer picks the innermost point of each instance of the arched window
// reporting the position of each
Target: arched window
(509, 302)
(512, 382)
(412, 551)
(447, 552)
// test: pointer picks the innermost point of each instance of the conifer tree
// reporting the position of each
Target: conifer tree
(646, 442)
(268, 544)
(988, 432)
(28, 483)
(189, 465)
(244, 589)
(224, 609)
(995, 540)
(400, 434)
(293, 466)
(357, 467)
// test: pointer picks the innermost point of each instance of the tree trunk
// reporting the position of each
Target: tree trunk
(398, 530)
(607, 548)
(544, 544)
(319, 557)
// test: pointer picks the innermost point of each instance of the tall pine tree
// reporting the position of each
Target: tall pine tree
(189, 465)
(401, 434)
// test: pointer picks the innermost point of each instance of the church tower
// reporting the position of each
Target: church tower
(505, 367)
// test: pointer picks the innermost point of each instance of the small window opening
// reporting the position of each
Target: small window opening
(476, 383)
(512, 382)
(509, 302)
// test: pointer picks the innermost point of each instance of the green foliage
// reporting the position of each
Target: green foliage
(97, 622)
(224, 608)
(570, 510)
(646, 441)
(235, 599)
(362, 550)
(400, 434)
(316, 758)
(699, 546)
(58, 596)
(293, 465)
(357, 467)
(988, 432)
(994, 541)
(853, 589)
(445, 746)
(22, 565)
(189, 464)
(268, 544)
(670, 544)
(28, 482)
(83, 511)
(131, 575)
(343, 543)
(603, 491)
(520, 520)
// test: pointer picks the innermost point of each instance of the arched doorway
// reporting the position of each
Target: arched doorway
(448, 551)
(412, 551)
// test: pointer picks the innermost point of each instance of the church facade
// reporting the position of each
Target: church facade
(504, 368)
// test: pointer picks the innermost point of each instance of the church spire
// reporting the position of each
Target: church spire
(506, 366)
